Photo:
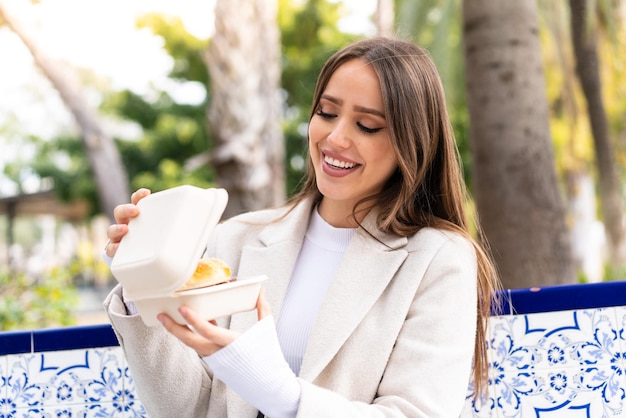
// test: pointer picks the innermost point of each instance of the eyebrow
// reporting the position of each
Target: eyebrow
(361, 109)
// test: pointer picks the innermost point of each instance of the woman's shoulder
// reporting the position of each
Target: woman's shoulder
(437, 237)
(260, 217)
(265, 226)
(443, 251)
(252, 222)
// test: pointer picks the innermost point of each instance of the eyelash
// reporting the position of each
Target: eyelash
(368, 130)
(324, 115)
(362, 127)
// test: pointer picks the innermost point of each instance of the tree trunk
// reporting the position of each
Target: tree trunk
(106, 165)
(514, 178)
(385, 17)
(245, 110)
(587, 69)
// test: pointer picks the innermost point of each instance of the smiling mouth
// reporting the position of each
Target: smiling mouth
(335, 163)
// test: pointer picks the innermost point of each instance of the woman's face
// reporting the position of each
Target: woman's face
(349, 139)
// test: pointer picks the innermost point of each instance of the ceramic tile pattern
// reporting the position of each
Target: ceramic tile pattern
(568, 364)
(73, 383)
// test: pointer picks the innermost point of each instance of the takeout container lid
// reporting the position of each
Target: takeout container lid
(165, 241)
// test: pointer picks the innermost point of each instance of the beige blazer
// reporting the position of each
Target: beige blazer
(393, 338)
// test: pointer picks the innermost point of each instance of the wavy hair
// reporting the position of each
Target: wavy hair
(427, 189)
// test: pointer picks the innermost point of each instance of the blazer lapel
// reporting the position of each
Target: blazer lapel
(275, 256)
(367, 264)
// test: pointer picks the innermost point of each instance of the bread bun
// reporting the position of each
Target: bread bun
(209, 272)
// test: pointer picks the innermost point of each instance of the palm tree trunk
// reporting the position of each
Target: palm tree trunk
(106, 164)
(385, 17)
(587, 69)
(244, 65)
(514, 178)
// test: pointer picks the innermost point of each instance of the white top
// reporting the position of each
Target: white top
(321, 253)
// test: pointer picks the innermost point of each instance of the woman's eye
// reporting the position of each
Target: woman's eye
(368, 130)
(365, 129)
(323, 114)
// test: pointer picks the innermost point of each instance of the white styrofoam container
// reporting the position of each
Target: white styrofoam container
(209, 302)
(164, 242)
(161, 251)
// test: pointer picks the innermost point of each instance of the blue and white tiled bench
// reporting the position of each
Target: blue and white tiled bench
(554, 352)
(65, 372)
(557, 352)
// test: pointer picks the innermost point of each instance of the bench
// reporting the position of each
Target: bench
(554, 352)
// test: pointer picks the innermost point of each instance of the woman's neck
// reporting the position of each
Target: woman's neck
(339, 213)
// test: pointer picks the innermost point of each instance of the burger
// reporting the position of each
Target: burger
(209, 272)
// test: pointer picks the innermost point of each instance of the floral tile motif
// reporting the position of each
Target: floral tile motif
(620, 315)
(76, 383)
(481, 408)
(131, 406)
(3, 386)
(568, 364)
(66, 411)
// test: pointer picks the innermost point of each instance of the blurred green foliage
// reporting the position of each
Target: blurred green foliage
(28, 304)
(170, 135)
(309, 35)
(173, 133)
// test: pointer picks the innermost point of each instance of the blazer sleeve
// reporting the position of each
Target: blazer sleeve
(170, 378)
(428, 371)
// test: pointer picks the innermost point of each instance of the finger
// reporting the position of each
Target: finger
(201, 345)
(262, 305)
(125, 212)
(138, 195)
(214, 333)
(111, 249)
(116, 232)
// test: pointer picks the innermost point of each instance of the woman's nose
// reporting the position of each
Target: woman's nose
(340, 135)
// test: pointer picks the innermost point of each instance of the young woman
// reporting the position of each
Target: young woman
(377, 297)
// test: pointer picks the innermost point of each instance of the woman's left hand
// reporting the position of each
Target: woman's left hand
(208, 336)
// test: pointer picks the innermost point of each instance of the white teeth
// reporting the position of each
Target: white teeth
(339, 164)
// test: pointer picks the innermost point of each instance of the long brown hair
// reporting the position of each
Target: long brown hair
(427, 189)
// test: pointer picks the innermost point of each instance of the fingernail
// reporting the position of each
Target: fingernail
(183, 311)
(161, 318)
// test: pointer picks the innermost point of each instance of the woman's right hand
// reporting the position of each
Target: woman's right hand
(123, 214)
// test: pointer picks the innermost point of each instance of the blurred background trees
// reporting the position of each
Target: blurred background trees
(245, 112)
(585, 20)
(438, 25)
(544, 209)
(524, 216)
(104, 159)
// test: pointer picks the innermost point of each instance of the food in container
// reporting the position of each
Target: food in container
(161, 252)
